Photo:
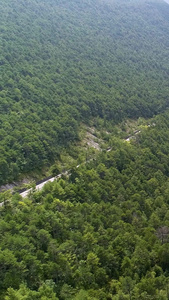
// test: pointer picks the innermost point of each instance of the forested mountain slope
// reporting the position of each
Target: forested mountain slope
(64, 62)
(101, 234)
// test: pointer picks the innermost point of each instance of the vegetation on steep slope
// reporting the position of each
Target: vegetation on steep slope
(63, 62)
(102, 233)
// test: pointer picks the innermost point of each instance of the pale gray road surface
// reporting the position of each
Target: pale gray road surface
(41, 185)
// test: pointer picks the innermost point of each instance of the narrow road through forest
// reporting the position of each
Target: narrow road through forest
(39, 186)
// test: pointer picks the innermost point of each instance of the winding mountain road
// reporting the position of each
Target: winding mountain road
(39, 186)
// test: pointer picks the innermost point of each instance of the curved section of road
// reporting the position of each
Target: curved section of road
(39, 186)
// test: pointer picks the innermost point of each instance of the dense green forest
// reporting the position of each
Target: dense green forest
(102, 233)
(63, 63)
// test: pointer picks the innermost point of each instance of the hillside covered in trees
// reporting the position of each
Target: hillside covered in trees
(67, 62)
(100, 234)
(101, 231)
